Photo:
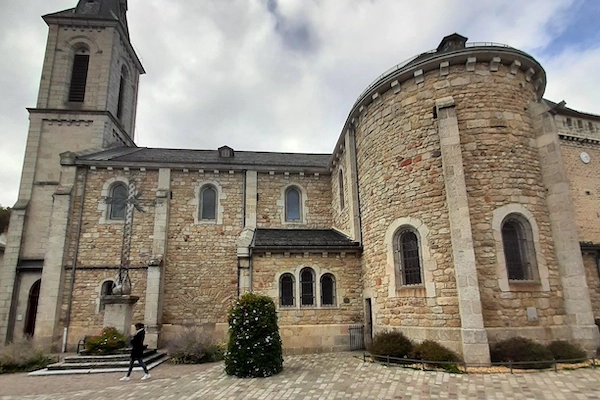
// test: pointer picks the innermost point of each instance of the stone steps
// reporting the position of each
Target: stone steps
(99, 364)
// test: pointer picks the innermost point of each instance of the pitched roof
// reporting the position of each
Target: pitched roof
(188, 158)
(302, 239)
(560, 108)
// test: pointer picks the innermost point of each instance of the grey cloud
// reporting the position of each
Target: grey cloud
(268, 75)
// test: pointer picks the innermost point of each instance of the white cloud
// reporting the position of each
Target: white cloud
(278, 78)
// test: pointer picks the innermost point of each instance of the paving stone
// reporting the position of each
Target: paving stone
(336, 376)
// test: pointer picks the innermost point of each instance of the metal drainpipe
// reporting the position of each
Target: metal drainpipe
(356, 182)
(244, 199)
(74, 267)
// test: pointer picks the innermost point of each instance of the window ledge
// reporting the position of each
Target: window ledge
(524, 285)
(411, 291)
(113, 222)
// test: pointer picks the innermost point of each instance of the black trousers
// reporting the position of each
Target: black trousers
(140, 361)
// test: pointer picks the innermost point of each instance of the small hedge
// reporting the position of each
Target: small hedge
(432, 351)
(23, 356)
(110, 341)
(254, 348)
(519, 349)
(390, 343)
(563, 350)
(191, 347)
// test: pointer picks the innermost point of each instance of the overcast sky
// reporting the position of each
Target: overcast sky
(282, 75)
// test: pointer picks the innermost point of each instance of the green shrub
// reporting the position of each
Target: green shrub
(110, 341)
(23, 356)
(390, 343)
(563, 350)
(191, 347)
(433, 351)
(518, 349)
(254, 348)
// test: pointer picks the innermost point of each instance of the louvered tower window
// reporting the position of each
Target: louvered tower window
(79, 76)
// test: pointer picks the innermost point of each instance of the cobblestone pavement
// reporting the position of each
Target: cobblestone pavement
(323, 376)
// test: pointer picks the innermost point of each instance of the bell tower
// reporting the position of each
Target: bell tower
(86, 101)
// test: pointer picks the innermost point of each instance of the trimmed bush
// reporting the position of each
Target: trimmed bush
(190, 347)
(433, 351)
(563, 350)
(390, 343)
(110, 341)
(518, 349)
(254, 348)
(23, 356)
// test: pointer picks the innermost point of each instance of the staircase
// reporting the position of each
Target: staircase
(87, 364)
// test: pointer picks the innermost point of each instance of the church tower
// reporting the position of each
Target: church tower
(86, 102)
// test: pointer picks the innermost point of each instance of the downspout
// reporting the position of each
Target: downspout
(356, 183)
(244, 199)
(74, 267)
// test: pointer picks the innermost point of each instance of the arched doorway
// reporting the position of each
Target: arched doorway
(32, 305)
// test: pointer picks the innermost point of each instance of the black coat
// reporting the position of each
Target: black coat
(137, 344)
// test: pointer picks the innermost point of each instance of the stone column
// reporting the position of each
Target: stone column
(245, 239)
(8, 272)
(353, 203)
(51, 289)
(474, 336)
(578, 306)
(155, 273)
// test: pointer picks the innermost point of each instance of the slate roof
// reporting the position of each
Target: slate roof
(560, 108)
(145, 156)
(302, 239)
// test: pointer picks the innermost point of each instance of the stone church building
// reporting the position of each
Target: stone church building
(457, 205)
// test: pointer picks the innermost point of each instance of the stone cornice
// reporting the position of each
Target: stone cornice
(81, 120)
(579, 139)
(417, 67)
(205, 167)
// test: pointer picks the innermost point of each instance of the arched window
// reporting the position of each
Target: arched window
(79, 73)
(519, 252)
(208, 203)
(341, 187)
(118, 202)
(408, 259)
(293, 199)
(105, 290)
(32, 306)
(122, 87)
(286, 288)
(307, 287)
(327, 290)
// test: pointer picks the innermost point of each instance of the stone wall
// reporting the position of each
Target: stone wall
(592, 274)
(313, 328)
(584, 186)
(316, 192)
(502, 169)
(342, 219)
(201, 263)
(400, 177)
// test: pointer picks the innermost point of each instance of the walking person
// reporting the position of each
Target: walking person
(137, 352)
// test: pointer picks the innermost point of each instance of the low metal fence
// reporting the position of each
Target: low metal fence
(462, 367)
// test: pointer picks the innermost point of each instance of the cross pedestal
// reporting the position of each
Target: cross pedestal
(118, 310)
